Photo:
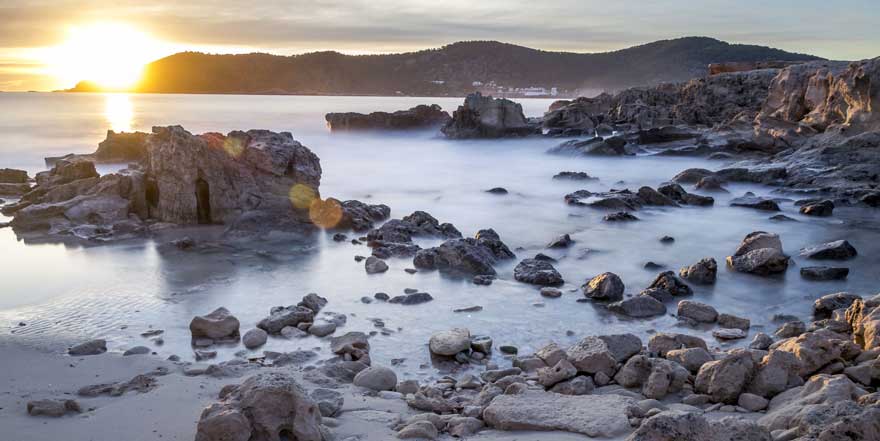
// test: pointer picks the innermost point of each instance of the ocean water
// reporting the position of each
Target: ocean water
(67, 293)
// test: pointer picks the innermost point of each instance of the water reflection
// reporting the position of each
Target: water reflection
(119, 112)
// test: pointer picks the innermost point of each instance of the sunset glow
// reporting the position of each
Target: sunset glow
(110, 55)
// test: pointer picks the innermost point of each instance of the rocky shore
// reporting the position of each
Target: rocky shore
(810, 129)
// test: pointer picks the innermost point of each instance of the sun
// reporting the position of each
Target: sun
(110, 55)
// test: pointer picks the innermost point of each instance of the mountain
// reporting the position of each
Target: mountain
(449, 70)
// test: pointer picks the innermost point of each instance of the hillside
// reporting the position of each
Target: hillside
(450, 70)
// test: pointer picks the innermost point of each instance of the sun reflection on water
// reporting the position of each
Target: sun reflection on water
(119, 112)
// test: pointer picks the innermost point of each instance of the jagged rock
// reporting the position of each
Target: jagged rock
(749, 200)
(605, 286)
(822, 273)
(575, 176)
(837, 250)
(697, 311)
(52, 408)
(667, 281)
(815, 403)
(487, 117)
(537, 272)
(612, 200)
(678, 194)
(692, 175)
(592, 355)
(824, 306)
(13, 176)
(620, 216)
(281, 317)
(691, 358)
(726, 378)
(759, 253)
(815, 349)
(656, 377)
(91, 347)
(563, 241)
(269, 406)
(776, 372)
(864, 317)
(653, 197)
(549, 376)
(791, 329)
(329, 401)
(711, 183)
(591, 415)
(761, 342)
(622, 346)
(639, 306)
(702, 272)
(582, 385)
(359, 216)
(220, 324)
(675, 425)
(662, 343)
(353, 343)
(122, 147)
(613, 146)
(417, 224)
(449, 343)
(581, 113)
(822, 209)
(419, 117)
(465, 256)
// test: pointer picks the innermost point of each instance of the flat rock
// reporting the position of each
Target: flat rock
(837, 250)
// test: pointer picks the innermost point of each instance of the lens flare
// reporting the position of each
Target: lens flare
(302, 196)
(233, 146)
(325, 214)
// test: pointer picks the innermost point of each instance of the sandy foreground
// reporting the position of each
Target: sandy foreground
(170, 411)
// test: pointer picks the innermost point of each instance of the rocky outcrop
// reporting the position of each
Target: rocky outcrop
(577, 117)
(419, 117)
(266, 407)
(487, 117)
(745, 66)
(122, 147)
(613, 146)
(469, 256)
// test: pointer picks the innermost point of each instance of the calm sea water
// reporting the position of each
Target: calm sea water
(66, 293)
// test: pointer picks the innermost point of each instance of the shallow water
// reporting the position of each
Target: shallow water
(69, 293)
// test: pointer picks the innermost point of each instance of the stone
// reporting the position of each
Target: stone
(667, 281)
(549, 376)
(824, 306)
(374, 265)
(815, 349)
(653, 197)
(481, 344)
(821, 209)
(605, 286)
(823, 273)
(678, 194)
(791, 329)
(612, 200)
(322, 329)
(537, 272)
(761, 342)
(702, 272)
(137, 350)
(691, 358)
(91, 347)
(13, 176)
(283, 317)
(591, 415)
(376, 378)
(254, 338)
(462, 427)
(487, 117)
(622, 346)
(551, 292)
(815, 403)
(674, 425)
(451, 342)
(265, 407)
(759, 253)
(497, 190)
(729, 334)
(581, 385)
(563, 241)
(407, 387)
(612, 146)
(418, 430)
(415, 298)
(218, 325)
(731, 321)
(329, 401)
(726, 378)
(353, 343)
(638, 307)
(416, 118)
(470, 256)
(749, 200)
(575, 176)
(837, 250)
(592, 355)
(551, 354)
(697, 311)
(359, 216)
(661, 343)
(52, 408)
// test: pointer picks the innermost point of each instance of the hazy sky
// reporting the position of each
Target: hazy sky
(838, 29)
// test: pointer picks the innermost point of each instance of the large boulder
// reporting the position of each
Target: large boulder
(815, 349)
(359, 216)
(487, 117)
(581, 114)
(864, 318)
(220, 324)
(818, 402)
(451, 342)
(470, 256)
(614, 146)
(639, 306)
(419, 117)
(269, 406)
(592, 355)
(281, 317)
(759, 253)
(13, 176)
(592, 415)
(723, 380)
(777, 372)
(417, 224)
(673, 425)
(661, 343)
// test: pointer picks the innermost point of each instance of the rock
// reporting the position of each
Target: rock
(282, 317)
(814, 349)
(254, 338)
(620, 216)
(711, 183)
(702, 272)
(613, 146)
(822, 209)
(691, 358)
(865, 373)
(137, 350)
(612, 200)
(749, 200)
(417, 224)
(824, 306)
(313, 302)
(776, 372)
(685, 426)
(52, 408)
(864, 317)
(678, 194)
(667, 281)
(407, 387)
(322, 329)
(563, 241)
(449, 343)
(592, 355)
(815, 403)
(725, 379)
(419, 117)
(551, 292)
(575, 176)
(418, 430)
(549, 376)
(91, 347)
(729, 334)
(697, 311)
(473, 256)
(487, 117)
(497, 190)
(375, 266)
(359, 216)
(759, 253)
(823, 273)
(733, 322)
(13, 176)
(329, 401)
(638, 307)
(537, 272)
(591, 415)
(791, 329)
(761, 342)
(352, 343)
(265, 407)
(662, 343)
(416, 298)
(220, 324)
(462, 427)
(605, 286)
(377, 378)
(622, 346)
(581, 385)
(837, 250)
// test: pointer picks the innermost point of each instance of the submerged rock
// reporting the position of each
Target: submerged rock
(759, 253)
(702, 272)
(614, 146)
(749, 200)
(419, 117)
(537, 272)
(471, 256)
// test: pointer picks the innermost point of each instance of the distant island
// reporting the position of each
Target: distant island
(490, 67)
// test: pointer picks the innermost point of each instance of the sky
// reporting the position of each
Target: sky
(31, 31)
